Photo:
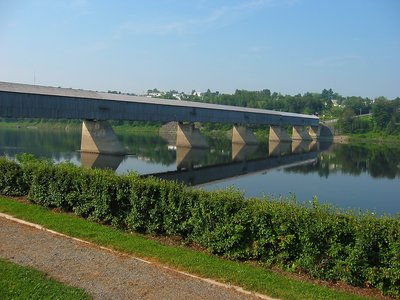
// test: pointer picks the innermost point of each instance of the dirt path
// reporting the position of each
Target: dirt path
(103, 274)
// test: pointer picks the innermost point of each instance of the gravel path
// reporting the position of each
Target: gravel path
(103, 274)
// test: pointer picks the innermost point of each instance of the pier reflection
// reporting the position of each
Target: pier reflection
(242, 152)
(279, 148)
(194, 166)
(101, 161)
(189, 158)
(241, 164)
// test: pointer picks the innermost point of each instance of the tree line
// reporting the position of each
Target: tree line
(384, 113)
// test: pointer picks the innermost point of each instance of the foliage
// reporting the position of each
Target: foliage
(379, 161)
(12, 181)
(326, 243)
(307, 103)
(253, 277)
(386, 115)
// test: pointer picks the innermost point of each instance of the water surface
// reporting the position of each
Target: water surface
(360, 176)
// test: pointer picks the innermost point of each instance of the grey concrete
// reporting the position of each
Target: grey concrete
(243, 135)
(278, 134)
(28, 101)
(189, 136)
(300, 133)
(99, 137)
(314, 132)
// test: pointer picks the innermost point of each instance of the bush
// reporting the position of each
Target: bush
(12, 181)
(324, 242)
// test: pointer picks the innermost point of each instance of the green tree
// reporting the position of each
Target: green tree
(345, 122)
(382, 112)
(327, 94)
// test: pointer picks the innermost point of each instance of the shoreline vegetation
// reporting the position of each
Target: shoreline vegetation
(320, 241)
(180, 256)
(156, 128)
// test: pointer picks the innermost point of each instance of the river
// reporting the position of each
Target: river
(349, 176)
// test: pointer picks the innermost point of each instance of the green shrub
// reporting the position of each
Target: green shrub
(12, 181)
(324, 242)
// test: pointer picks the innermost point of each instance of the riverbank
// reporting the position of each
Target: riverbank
(375, 137)
(155, 128)
(68, 125)
(81, 264)
(317, 240)
(173, 253)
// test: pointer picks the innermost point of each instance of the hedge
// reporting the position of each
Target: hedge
(357, 248)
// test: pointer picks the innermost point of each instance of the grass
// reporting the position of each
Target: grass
(250, 277)
(74, 125)
(28, 283)
(374, 137)
(71, 125)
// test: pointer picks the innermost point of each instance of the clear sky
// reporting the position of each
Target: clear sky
(287, 46)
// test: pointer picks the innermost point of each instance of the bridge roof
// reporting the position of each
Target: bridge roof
(86, 94)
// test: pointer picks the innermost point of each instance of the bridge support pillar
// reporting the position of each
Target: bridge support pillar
(189, 136)
(243, 135)
(278, 134)
(99, 137)
(299, 133)
(314, 132)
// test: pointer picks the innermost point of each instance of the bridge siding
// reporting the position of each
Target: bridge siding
(28, 105)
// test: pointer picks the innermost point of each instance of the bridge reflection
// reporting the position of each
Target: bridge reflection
(189, 172)
(245, 159)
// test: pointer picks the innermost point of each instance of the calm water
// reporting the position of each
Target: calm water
(348, 176)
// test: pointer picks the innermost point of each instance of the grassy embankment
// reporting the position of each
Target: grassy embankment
(376, 137)
(17, 282)
(249, 276)
(76, 125)
(41, 124)
(220, 131)
(133, 127)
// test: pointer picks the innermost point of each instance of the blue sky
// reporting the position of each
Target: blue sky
(287, 46)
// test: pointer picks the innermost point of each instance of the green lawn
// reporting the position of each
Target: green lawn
(17, 282)
(250, 277)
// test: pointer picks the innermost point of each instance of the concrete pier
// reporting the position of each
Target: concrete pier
(99, 137)
(243, 135)
(278, 134)
(314, 132)
(300, 133)
(189, 136)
